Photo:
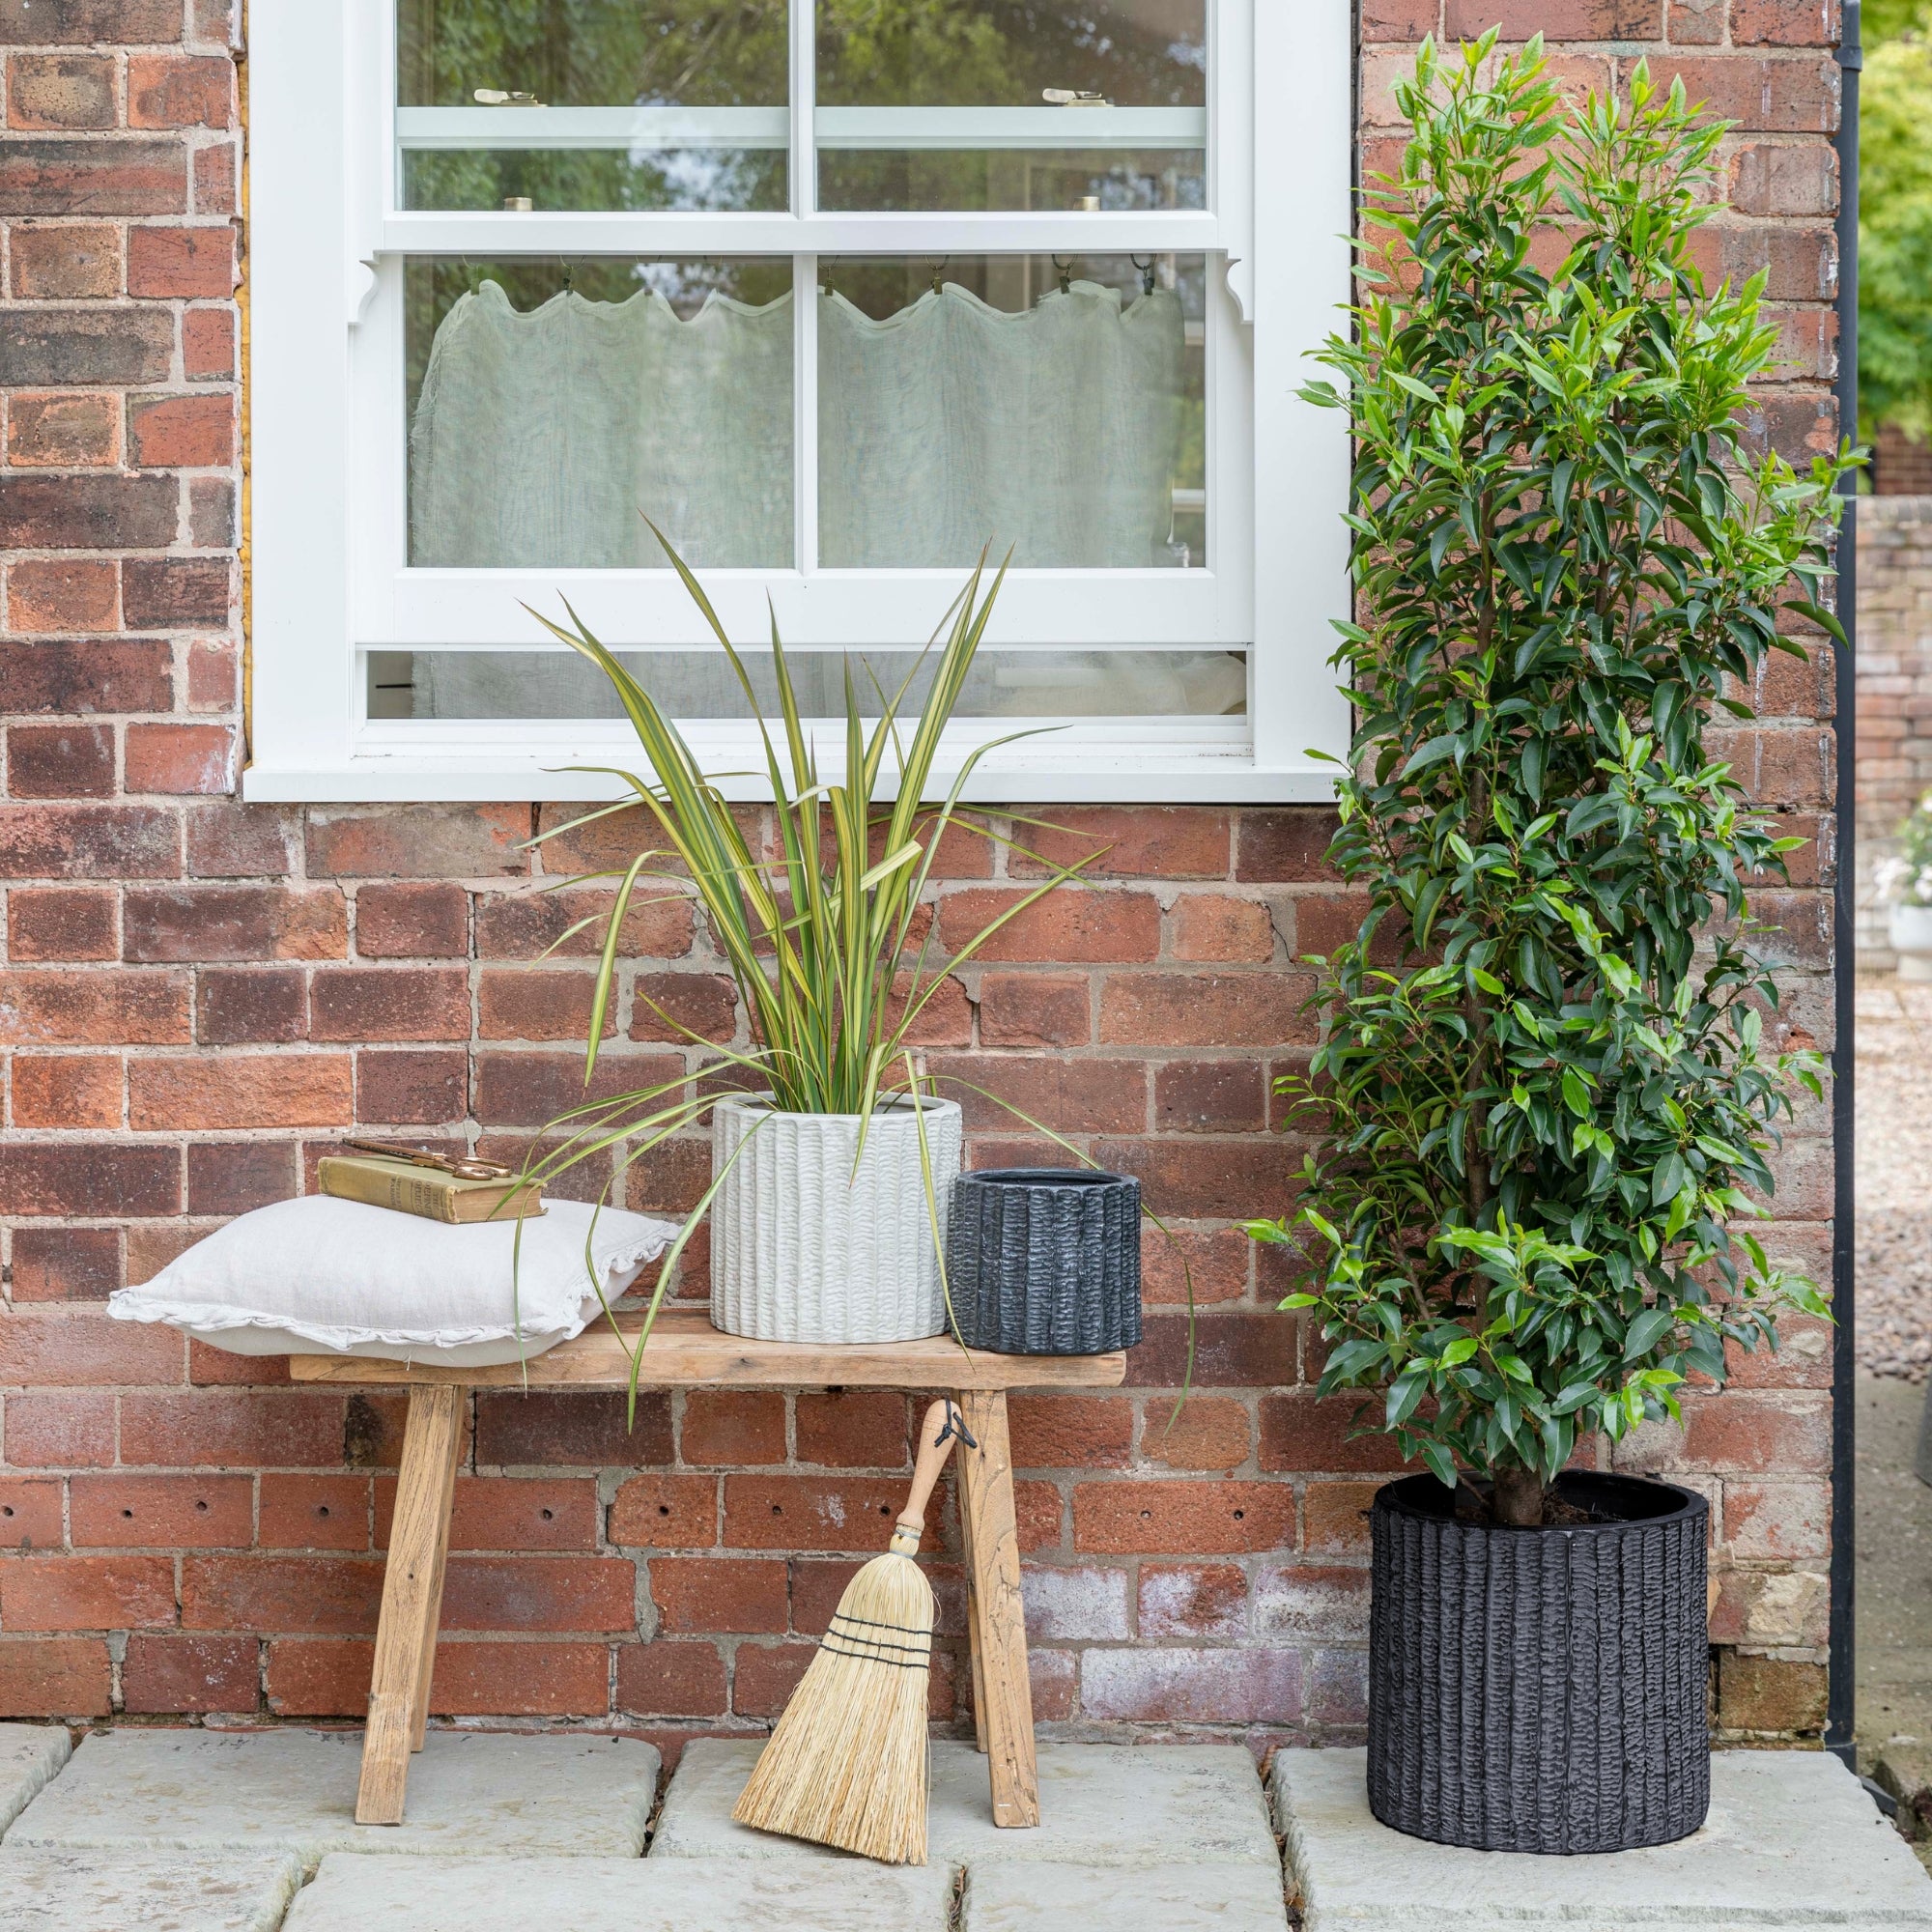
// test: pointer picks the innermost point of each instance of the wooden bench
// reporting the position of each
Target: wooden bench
(685, 1352)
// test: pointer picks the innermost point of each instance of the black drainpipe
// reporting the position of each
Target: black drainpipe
(1838, 1730)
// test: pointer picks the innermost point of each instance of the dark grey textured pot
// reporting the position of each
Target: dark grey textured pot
(1045, 1261)
(1540, 1689)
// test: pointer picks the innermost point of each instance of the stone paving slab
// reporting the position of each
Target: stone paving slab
(30, 1754)
(145, 1892)
(1109, 1804)
(469, 1793)
(371, 1895)
(1034, 1897)
(1792, 1839)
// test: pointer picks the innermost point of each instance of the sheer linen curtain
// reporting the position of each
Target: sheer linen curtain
(539, 434)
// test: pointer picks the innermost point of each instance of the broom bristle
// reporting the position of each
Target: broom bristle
(847, 1764)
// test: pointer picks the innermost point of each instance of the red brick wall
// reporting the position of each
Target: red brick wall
(197, 995)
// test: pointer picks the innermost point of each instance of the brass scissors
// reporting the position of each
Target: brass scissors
(464, 1169)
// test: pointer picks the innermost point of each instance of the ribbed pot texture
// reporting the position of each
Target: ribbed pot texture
(1540, 1690)
(1045, 1261)
(802, 1248)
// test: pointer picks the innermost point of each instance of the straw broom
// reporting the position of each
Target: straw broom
(847, 1764)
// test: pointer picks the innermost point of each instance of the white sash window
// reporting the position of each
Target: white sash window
(835, 293)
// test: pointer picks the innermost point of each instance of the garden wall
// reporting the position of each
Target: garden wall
(1894, 758)
(199, 995)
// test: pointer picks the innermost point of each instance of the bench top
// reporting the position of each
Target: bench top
(685, 1352)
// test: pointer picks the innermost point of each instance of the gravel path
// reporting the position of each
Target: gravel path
(1894, 1179)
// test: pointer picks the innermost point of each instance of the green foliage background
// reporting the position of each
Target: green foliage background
(1896, 216)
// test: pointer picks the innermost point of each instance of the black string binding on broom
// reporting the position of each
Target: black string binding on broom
(872, 1649)
(955, 1425)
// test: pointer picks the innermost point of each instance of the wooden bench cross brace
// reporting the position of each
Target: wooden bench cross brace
(685, 1352)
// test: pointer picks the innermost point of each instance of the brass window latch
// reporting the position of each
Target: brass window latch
(1063, 96)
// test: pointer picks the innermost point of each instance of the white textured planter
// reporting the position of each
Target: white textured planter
(804, 1249)
(1912, 941)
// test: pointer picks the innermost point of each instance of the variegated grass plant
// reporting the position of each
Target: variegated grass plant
(832, 963)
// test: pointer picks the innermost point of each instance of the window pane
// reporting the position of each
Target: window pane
(1012, 104)
(592, 103)
(1056, 407)
(700, 684)
(552, 402)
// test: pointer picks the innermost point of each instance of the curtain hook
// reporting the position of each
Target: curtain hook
(938, 269)
(569, 281)
(1066, 275)
(1146, 272)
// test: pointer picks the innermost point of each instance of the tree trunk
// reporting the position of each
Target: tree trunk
(1516, 1497)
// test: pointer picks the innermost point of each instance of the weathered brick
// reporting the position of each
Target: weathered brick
(76, 23)
(234, 1176)
(250, 1004)
(87, 513)
(1208, 1433)
(160, 1512)
(325, 1594)
(176, 593)
(1210, 1097)
(224, 1428)
(55, 177)
(56, 263)
(54, 1677)
(571, 1429)
(540, 1593)
(1301, 1433)
(100, 674)
(412, 1088)
(412, 921)
(428, 842)
(675, 1005)
(30, 1512)
(672, 1679)
(527, 1004)
(357, 1003)
(180, 90)
(1201, 1686)
(666, 1511)
(1070, 1431)
(785, 1512)
(1769, 1693)
(180, 758)
(65, 1263)
(314, 1513)
(83, 1593)
(1178, 1518)
(167, 1676)
(1035, 1008)
(1199, 1600)
(853, 1429)
(208, 345)
(521, 925)
(1203, 1177)
(181, 432)
(44, 347)
(77, 1347)
(1173, 841)
(56, 91)
(60, 1429)
(185, 262)
(66, 1090)
(735, 1426)
(764, 1676)
(60, 760)
(74, 1177)
(1072, 924)
(528, 1089)
(1215, 1009)
(63, 594)
(57, 431)
(263, 1090)
(1233, 1349)
(236, 923)
(1285, 845)
(231, 840)
(704, 1594)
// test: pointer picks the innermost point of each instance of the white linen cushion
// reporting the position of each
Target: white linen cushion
(322, 1274)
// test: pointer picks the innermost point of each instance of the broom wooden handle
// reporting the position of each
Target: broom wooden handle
(937, 1433)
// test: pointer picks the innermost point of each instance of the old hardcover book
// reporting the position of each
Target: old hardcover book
(410, 1189)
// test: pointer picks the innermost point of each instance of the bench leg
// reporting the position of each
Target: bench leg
(993, 1598)
(973, 1628)
(411, 1601)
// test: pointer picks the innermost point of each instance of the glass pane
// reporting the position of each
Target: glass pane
(1056, 407)
(592, 103)
(699, 684)
(1012, 104)
(552, 402)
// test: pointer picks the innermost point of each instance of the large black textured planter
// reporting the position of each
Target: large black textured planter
(1045, 1261)
(1540, 1690)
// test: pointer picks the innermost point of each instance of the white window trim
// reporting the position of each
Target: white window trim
(327, 463)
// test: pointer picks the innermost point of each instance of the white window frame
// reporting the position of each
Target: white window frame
(329, 579)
